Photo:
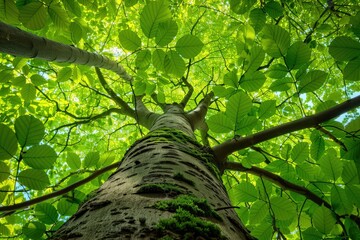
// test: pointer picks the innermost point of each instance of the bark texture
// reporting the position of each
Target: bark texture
(159, 191)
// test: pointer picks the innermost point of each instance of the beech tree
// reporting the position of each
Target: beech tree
(179, 119)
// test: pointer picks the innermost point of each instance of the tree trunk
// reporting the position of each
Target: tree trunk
(167, 187)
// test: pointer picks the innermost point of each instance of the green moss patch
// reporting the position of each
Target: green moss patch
(187, 226)
(194, 205)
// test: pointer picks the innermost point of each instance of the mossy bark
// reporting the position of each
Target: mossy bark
(166, 165)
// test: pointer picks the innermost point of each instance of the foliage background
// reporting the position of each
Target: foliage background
(267, 62)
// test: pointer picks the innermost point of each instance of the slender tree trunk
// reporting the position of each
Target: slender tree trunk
(166, 187)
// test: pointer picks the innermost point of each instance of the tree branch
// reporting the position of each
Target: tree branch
(28, 203)
(144, 116)
(223, 150)
(197, 116)
(124, 106)
(24, 44)
(188, 94)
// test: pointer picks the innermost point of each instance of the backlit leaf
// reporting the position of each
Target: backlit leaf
(274, 9)
(4, 171)
(238, 106)
(323, 219)
(91, 159)
(331, 165)
(143, 59)
(283, 208)
(34, 230)
(58, 15)
(46, 213)
(8, 142)
(34, 179)
(166, 32)
(300, 152)
(40, 157)
(154, 13)
(312, 81)
(352, 70)
(9, 11)
(73, 160)
(174, 64)
(257, 56)
(267, 109)
(244, 192)
(253, 81)
(344, 48)
(29, 130)
(66, 208)
(298, 54)
(129, 40)
(258, 212)
(189, 46)
(64, 74)
(33, 15)
(220, 123)
(281, 85)
(257, 19)
(28, 92)
(241, 7)
(276, 40)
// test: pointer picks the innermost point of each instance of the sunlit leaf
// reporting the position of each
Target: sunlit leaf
(331, 165)
(152, 15)
(231, 79)
(189, 46)
(220, 123)
(263, 231)
(73, 160)
(29, 130)
(73, 7)
(276, 40)
(91, 159)
(34, 179)
(298, 54)
(64, 74)
(66, 208)
(38, 80)
(352, 70)
(312, 81)
(174, 64)
(46, 213)
(34, 230)
(40, 157)
(245, 124)
(257, 19)
(143, 59)
(238, 106)
(129, 40)
(244, 192)
(344, 48)
(323, 219)
(317, 147)
(76, 32)
(267, 109)
(253, 81)
(4, 171)
(300, 152)
(258, 211)
(9, 11)
(340, 201)
(58, 15)
(166, 32)
(283, 208)
(240, 7)
(28, 92)
(257, 56)
(33, 15)
(281, 85)
(350, 174)
(274, 9)
(8, 142)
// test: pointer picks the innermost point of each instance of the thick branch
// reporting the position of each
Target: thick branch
(124, 106)
(196, 117)
(23, 44)
(188, 94)
(225, 149)
(144, 116)
(60, 192)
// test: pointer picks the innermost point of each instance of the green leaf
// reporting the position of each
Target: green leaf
(189, 46)
(19, 81)
(28, 92)
(276, 40)
(129, 40)
(298, 54)
(46, 213)
(245, 124)
(9, 11)
(220, 123)
(312, 234)
(352, 70)
(158, 59)
(283, 208)
(344, 48)
(73, 160)
(166, 32)
(244, 192)
(33, 15)
(38, 80)
(130, 3)
(91, 159)
(152, 15)
(350, 174)
(258, 211)
(8, 142)
(331, 165)
(257, 56)
(174, 64)
(281, 85)
(66, 208)
(323, 219)
(76, 32)
(241, 7)
(340, 201)
(231, 79)
(312, 81)
(40, 157)
(34, 230)
(263, 231)
(253, 81)
(72, 6)
(317, 147)
(4, 171)
(64, 74)
(274, 9)
(255, 157)
(353, 194)
(29, 130)
(307, 171)
(143, 59)
(58, 15)
(238, 106)
(34, 179)
(300, 152)
(267, 109)
(257, 19)
(277, 71)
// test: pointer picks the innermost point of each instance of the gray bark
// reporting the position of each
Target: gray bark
(122, 208)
